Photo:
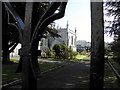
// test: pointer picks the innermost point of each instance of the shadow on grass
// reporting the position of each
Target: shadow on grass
(8, 71)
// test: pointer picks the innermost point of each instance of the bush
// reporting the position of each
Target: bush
(49, 53)
(74, 54)
(63, 52)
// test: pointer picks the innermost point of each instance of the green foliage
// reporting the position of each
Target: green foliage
(108, 49)
(116, 48)
(60, 50)
(74, 54)
(113, 9)
(80, 56)
(113, 26)
(49, 52)
(63, 52)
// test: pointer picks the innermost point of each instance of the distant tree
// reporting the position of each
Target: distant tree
(57, 49)
(63, 52)
(48, 51)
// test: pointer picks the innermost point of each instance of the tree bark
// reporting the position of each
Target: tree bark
(28, 79)
(5, 55)
(34, 56)
(5, 47)
(97, 46)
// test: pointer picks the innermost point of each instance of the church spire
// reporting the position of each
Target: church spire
(67, 24)
(75, 30)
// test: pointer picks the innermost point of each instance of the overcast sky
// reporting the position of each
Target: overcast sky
(78, 15)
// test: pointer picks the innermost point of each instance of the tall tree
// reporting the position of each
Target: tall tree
(97, 46)
(113, 28)
(10, 27)
(113, 10)
(10, 34)
(32, 34)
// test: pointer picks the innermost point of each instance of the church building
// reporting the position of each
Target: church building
(67, 35)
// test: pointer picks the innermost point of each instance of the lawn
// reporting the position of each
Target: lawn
(8, 70)
(115, 64)
(82, 57)
(110, 79)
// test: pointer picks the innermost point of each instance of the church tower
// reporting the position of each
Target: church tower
(67, 25)
(75, 36)
(67, 33)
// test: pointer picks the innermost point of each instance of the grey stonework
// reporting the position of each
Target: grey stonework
(67, 35)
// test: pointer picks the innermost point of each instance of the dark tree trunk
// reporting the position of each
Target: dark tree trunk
(97, 46)
(5, 55)
(5, 47)
(29, 52)
(34, 56)
(28, 78)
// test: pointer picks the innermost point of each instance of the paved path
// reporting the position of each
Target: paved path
(72, 75)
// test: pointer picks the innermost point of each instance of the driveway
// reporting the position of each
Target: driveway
(71, 75)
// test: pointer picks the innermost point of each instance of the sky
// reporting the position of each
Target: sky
(78, 16)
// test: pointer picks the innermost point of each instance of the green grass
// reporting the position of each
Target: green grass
(8, 70)
(115, 64)
(8, 73)
(14, 59)
(46, 66)
(80, 56)
(110, 80)
(84, 59)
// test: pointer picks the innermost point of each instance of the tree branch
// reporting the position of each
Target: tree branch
(11, 44)
(52, 8)
(41, 29)
(13, 47)
(16, 17)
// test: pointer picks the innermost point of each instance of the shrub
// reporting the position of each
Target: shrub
(63, 52)
(48, 52)
(74, 54)
(57, 49)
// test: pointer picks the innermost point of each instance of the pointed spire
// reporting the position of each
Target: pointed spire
(57, 26)
(67, 24)
(75, 30)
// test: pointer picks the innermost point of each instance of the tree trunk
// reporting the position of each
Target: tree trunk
(28, 79)
(34, 56)
(97, 46)
(5, 48)
(5, 55)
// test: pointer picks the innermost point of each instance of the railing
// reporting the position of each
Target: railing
(115, 71)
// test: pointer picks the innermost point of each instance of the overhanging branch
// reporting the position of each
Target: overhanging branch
(48, 20)
(52, 8)
(16, 17)
(14, 46)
